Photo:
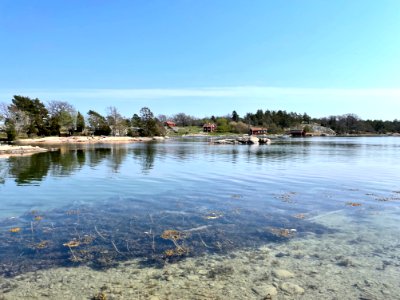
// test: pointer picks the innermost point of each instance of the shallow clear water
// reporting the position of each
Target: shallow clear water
(117, 201)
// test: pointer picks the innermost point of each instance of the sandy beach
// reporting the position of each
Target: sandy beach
(76, 139)
(85, 140)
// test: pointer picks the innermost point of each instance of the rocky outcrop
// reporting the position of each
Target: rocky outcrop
(12, 150)
(244, 140)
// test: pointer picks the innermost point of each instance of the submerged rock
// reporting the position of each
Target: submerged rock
(267, 291)
(282, 274)
(291, 288)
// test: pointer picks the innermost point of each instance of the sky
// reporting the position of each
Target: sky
(205, 57)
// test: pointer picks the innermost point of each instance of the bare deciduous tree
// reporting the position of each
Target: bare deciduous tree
(116, 122)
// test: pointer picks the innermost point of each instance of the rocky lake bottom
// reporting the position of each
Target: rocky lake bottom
(358, 259)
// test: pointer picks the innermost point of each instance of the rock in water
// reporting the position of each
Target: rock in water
(282, 274)
(291, 288)
(253, 140)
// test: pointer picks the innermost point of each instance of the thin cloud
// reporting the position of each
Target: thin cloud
(214, 92)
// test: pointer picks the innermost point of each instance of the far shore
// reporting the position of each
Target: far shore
(52, 140)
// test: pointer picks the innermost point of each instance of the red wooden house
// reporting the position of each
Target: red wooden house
(297, 132)
(169, 124)
(209, 127)
(257, 130)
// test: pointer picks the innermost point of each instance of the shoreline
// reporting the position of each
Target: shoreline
(85, 140)
(7, 151)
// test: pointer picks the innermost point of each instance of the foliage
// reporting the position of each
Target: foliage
(350, 123)
(28, 117)
(149, 126)
(35, 112)
(62, 117)
(307, 128)
(98, 124)
(183, 120)
(116, 122)
(222, 125)
(11, 132)
(235, 116)
(238, 127)
(80, 122)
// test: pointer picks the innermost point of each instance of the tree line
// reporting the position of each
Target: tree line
(31, 117)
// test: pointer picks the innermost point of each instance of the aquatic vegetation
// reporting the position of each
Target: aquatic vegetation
(283, 232)
(173, 235)
(41, 245)
(176, 252)
(87, 239)
(286, 197)
(100, 296)
(102, 236)
(169, 252)
(15, 229)
(72, 244)
(213, 215)
(353, 204)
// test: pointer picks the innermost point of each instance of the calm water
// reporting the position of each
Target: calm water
(315, 173)
(117, 201)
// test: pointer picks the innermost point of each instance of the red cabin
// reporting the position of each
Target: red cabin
(209, 127)
(297, 132)
(169, 124)
(257, 130)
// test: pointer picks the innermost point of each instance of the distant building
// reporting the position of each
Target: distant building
(209, 127)
(257, 130)
(297, 132)
(169, 124)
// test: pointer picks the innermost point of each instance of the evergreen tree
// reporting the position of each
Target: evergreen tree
(235, 116)
(35, 110)
(98, 124)
(149, 124)
(80, 122)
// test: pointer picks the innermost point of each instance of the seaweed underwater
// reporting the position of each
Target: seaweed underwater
(103, 235)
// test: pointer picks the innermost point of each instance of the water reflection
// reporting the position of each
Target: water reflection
(64, 162)
(146, 156)
(3, 171)
(29, 169)
(70, 159)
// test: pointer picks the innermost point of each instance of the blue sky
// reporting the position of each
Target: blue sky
(205, 57)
